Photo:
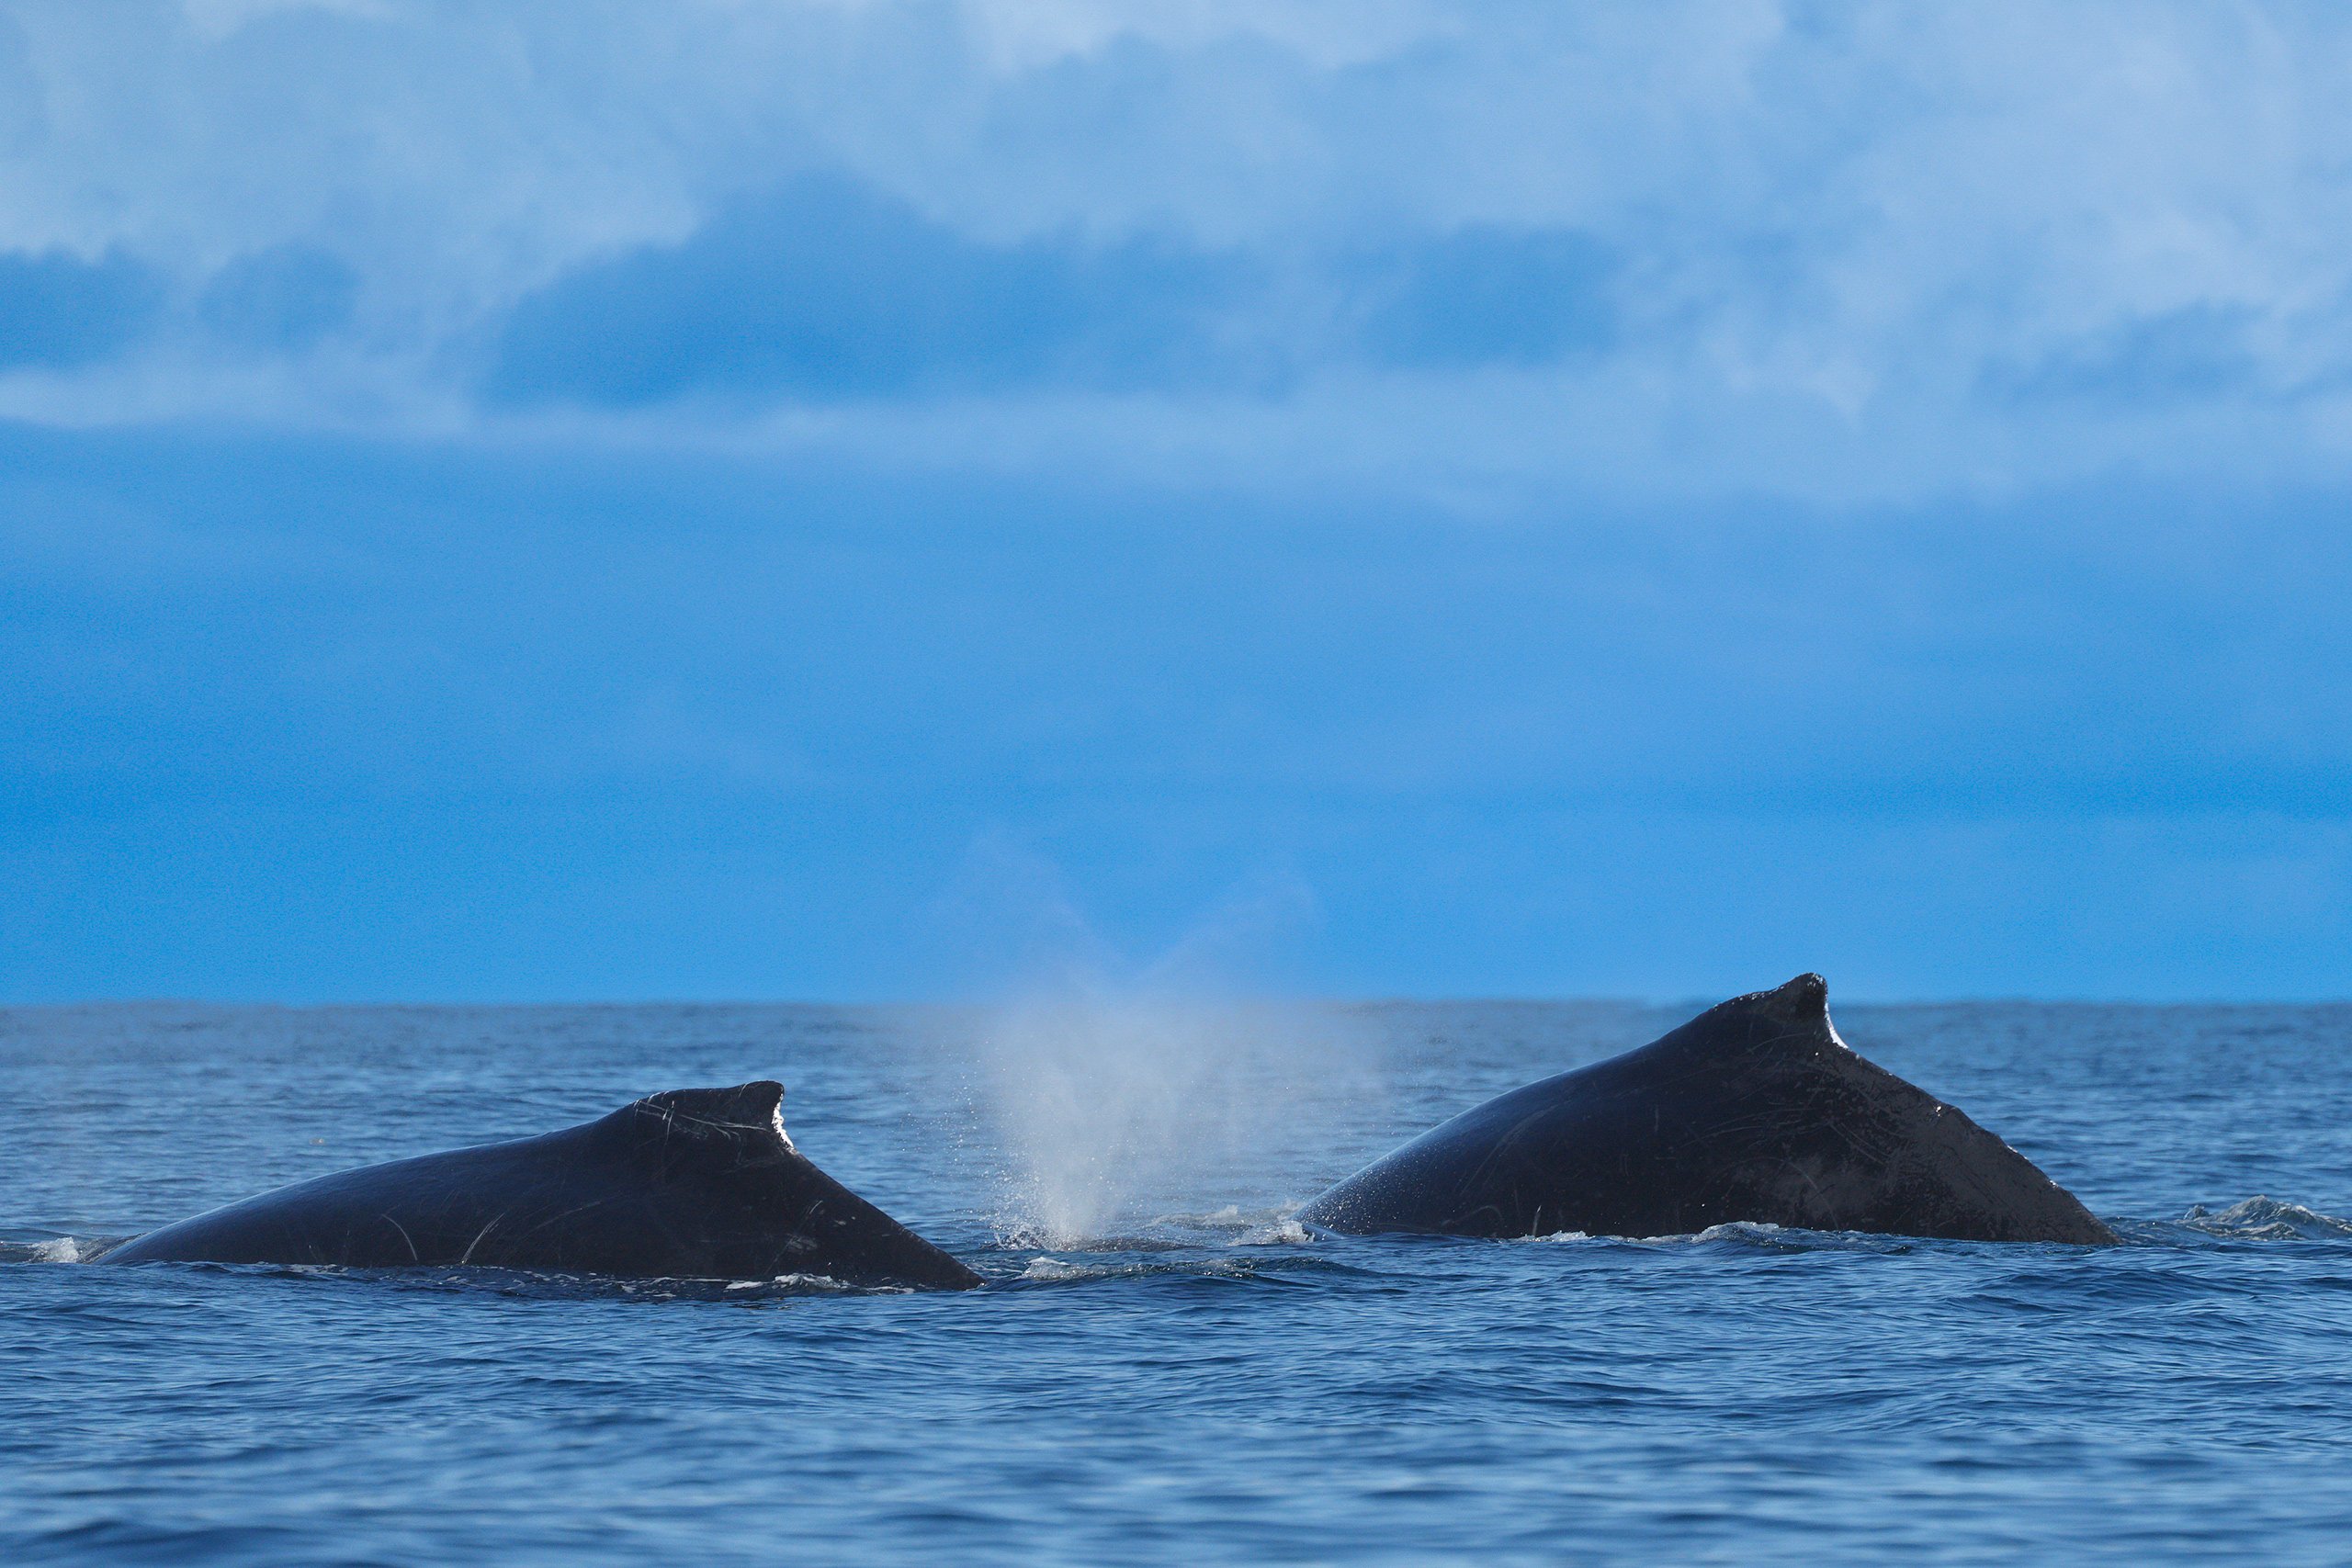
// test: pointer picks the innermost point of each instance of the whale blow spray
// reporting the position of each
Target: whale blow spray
(1122, 1109)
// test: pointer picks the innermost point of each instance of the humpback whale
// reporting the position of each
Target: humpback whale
(1753, 1111)
(699, 1183)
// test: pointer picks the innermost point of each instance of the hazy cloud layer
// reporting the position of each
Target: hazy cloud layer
(1733, 245)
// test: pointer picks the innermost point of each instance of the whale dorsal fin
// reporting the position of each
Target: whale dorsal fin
(1794, 1015)
(755, 1106)
(1803, 1003)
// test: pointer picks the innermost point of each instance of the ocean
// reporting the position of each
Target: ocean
(1164, 1366)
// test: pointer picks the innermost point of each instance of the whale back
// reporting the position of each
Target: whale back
(1753, 1111)
(690, 1183)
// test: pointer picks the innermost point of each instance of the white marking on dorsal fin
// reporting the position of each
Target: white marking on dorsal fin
(757, 1104)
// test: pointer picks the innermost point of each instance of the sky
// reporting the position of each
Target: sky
(856, 500)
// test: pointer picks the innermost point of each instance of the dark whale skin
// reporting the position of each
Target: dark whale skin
(696, 1183)
(1753, 1111)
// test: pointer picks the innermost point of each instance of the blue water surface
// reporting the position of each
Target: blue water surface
(1164, 1367)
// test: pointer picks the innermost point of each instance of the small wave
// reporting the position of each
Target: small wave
(51, 1249)
(1024, 1241)
(2266, 1219)
(1734, 1230)
(1281, 1270)
(812, 1284)
(519, 1282)
(532, 1285)
(1023, 1236)
(1743, 1230)
(1230, 1225)
(1760, 1234)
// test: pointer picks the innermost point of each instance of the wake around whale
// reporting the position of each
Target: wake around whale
(1753, 1111)
(695, 1183)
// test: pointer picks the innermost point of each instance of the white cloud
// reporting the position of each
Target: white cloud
(1862, 250)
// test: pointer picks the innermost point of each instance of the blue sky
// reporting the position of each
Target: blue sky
(849, 500)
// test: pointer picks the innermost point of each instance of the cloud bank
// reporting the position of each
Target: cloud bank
(1735, 246)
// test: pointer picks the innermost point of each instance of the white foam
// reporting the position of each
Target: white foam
(2267, 1219)
(818, 1284)
(63, 1250)
(1734, 1230)
(1044, 1268)
(1285, 1232)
